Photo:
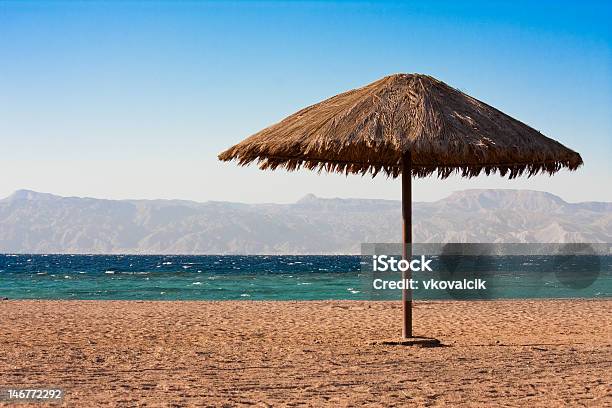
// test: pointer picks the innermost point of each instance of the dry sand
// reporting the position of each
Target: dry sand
(115, 353)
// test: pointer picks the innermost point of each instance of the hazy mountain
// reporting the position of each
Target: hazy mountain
(34, 222)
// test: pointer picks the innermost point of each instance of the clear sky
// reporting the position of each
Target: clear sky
(135, 100)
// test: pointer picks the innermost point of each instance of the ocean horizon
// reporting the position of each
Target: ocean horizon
(270, 277)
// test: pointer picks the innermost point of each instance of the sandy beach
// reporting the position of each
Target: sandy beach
(120, 353)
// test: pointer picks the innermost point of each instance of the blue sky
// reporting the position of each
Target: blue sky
(135, 100)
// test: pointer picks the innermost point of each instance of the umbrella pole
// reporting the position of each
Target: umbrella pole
(407, 241)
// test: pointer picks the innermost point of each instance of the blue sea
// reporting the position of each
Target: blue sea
(145, 277)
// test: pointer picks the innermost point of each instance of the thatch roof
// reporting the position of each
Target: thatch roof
(368, 130)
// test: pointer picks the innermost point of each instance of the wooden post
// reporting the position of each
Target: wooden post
(407, 241)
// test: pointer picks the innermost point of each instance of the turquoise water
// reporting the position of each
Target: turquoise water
(270, 278)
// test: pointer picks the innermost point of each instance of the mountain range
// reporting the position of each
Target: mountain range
(32, 222)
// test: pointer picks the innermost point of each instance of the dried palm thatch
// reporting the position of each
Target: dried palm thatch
(370, 129)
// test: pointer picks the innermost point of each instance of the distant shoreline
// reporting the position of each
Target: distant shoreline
(37, 223)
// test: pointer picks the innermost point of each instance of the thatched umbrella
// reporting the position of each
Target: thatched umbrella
(408, 124)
